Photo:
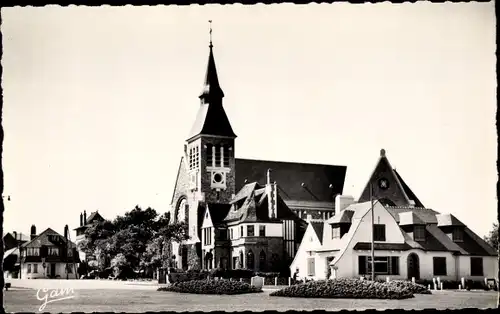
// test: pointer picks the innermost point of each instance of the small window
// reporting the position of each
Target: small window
(29, 268)
(35, 268)
(231, 233)
(241, 232)
(250, 231)
(210, 155)
(458, 235)
(439, 264)
(262, 231)
(419, 233)
(53, 251)
(226, 156)
(379, 232)
(310, 266)
(335, 232)
(217, 156)
(476, 266)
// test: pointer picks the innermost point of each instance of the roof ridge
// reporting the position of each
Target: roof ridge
(291, 162)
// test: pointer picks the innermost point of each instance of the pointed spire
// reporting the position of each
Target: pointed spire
(211, 88)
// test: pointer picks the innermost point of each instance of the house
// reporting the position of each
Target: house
(85, 223)
(410, 241)
(256, 230)
(14, 239)
(49, 255)
(210, 179)
(12, 242)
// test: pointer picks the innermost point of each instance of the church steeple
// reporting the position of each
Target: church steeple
(211, 118)
(211, 88)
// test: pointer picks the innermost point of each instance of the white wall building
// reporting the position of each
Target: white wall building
(409, 241)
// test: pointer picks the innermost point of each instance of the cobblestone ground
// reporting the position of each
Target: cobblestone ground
(141, 297)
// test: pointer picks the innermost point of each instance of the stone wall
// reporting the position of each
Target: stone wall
(211, 195)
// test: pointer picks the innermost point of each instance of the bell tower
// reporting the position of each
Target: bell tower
(210, 145)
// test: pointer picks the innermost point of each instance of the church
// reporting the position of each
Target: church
(243, 213)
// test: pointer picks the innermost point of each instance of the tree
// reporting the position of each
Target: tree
(141, 238)
(492, 238)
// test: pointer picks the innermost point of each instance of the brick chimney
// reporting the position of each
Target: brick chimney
(272, 195)
(33, 232)
(66, 232)
(81, 219)
(342, 201)
(84, 217)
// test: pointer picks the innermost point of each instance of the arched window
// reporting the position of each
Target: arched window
(262, 260)
(181, 210)
(250, 260)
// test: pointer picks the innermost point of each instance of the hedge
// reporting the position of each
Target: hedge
(345, 288)
(211, 287)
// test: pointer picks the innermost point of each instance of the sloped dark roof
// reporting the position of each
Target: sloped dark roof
(94, 216)
(382, 246)
(427, 215)
(211, 118)
(44, 239)
(289, 177)
(408, 191)
(318, 229)
(218, 212)
(251, 205)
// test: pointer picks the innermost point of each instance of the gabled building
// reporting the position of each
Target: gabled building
(410, 241)
(256, 230)
(49, 255)
(210, 176)
(85, 223)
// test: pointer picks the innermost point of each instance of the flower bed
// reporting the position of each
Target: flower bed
(413, 287)
(211, 287)
(345, 288)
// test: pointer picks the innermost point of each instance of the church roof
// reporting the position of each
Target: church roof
(211, 118)
(290, 176)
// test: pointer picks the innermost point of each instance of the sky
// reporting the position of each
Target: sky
(98, 101)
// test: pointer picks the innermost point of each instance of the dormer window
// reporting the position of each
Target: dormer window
(419, 233)
(335, 232)
(458, 234)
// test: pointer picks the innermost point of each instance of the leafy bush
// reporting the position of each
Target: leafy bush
(413, 287)
(186, 276)
(211, 287)
(344, 288)
(232, 273)
(267, 275)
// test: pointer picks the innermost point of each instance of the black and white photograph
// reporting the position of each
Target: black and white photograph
(281, 157)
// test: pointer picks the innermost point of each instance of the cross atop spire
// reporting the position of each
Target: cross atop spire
(210, 21)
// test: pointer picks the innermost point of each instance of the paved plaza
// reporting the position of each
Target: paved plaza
(117, 296)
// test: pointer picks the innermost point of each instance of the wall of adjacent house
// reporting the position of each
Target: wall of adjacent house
(309, 241)
(490, 267)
